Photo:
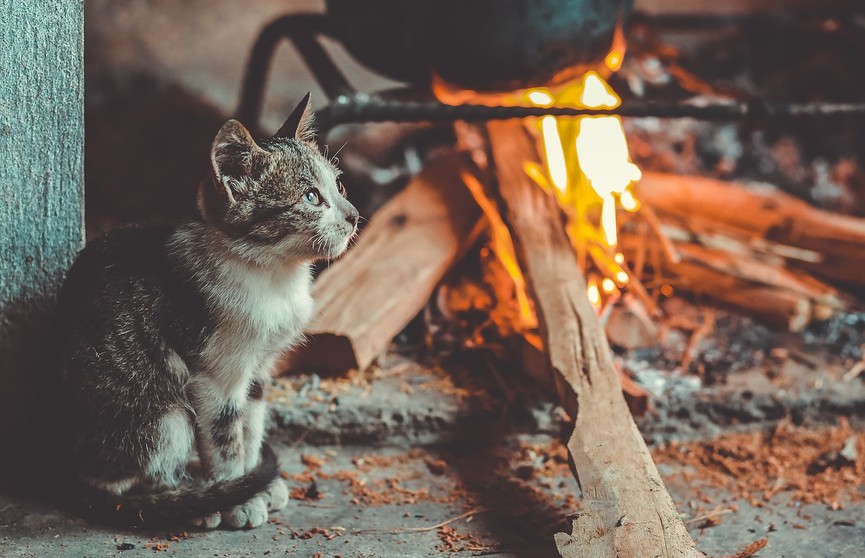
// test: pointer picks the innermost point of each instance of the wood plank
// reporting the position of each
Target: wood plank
(627, 511)
(367, 297)
(41, 187)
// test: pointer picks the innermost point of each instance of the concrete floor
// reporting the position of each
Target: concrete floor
(413, 426)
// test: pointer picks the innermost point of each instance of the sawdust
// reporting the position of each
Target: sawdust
(813, 466)
(454, 541)
(751, 549)
(362, 486)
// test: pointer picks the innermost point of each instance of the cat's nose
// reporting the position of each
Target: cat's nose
(352, 216)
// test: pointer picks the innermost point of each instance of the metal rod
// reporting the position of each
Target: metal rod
(360, 108)
(302, 30)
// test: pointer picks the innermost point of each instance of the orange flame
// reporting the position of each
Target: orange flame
(503, 246)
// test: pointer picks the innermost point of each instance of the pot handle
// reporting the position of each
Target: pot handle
(303, 31)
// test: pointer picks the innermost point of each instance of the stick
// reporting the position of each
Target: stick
(780, 308)
(369, 295)
(397, 530)
(628, 512)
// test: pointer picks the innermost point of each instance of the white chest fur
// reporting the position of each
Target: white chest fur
(261, 314)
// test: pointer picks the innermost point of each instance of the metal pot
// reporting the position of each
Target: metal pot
(485, 45)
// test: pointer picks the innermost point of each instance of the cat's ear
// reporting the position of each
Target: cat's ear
(231, 157)
(299, 123)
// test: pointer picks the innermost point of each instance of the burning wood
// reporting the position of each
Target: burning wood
(703, 241)
(367, 297)
(837, 240)
(628, 512)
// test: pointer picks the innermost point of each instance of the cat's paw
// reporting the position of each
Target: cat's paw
(276, 495)
(247, 516)
(211, 521)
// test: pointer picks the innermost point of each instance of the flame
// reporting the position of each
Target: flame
(594, 293)
(503, 246)
(555, 154)
(586, 166)
(594, 176)
(616, 56)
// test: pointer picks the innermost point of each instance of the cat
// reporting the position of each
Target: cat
(167, 336)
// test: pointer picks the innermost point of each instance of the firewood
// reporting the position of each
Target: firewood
(838, 239)
(627, 512)
(823, 298)
(780, 308)
(734, 271)
(368, 296)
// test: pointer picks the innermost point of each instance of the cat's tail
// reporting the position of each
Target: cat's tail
(173, 507)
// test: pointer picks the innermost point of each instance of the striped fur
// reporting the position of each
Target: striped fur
(168, 336)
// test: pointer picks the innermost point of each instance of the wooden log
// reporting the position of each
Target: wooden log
(627, 511)
(739, 277)
(771, 214)
(753, 279)
(780, 308)
(756, 272)
(369, 295)
(42, 188)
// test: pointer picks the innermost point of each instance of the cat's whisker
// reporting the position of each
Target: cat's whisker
(333, 159)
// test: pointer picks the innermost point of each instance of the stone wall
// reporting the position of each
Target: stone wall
(41, 184)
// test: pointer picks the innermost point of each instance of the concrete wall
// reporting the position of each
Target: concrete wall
(41, 183)
(203, 46)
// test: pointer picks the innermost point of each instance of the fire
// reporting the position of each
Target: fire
(503, 246)
(587, 161)
(586, 166)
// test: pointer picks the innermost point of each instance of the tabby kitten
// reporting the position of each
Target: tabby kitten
(167, 337)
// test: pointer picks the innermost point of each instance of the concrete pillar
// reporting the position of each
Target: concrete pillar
(41, 186)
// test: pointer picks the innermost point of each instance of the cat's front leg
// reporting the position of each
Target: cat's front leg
(253, 424)
(276, 496)
(220, 429)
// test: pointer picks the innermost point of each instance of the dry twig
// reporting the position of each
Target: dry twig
(397, 530)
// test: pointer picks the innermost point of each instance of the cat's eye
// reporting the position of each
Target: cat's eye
(340, 187)
(312, 197)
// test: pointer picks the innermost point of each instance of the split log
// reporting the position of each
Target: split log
(734, 272)
(369, 295)
(777, 307)
(627, 511)
(822, 299)
(768, 213)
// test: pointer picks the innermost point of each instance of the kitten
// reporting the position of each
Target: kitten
(168, 336)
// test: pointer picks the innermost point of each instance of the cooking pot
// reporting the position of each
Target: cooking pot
(484, 45)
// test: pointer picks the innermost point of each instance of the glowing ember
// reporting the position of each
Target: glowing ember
(503, 246)
(608, 285)
(594, 293)
(616, 55)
